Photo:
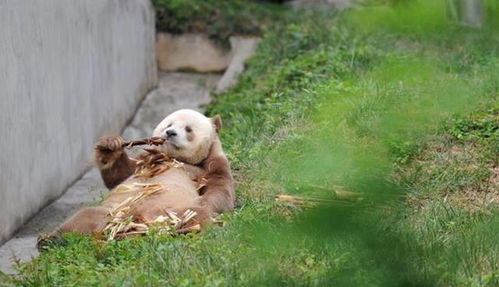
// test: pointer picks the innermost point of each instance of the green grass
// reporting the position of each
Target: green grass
(403, 113)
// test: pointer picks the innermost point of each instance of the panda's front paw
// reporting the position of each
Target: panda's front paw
(110, 144)
(107, 151)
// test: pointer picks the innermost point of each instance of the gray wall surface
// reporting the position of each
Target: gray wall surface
(70, 72)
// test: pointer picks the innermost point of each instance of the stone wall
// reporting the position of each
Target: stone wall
(70, 72)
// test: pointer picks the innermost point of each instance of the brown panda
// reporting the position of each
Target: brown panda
(190, 138)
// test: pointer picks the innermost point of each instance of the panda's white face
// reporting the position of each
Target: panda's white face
(189, 135)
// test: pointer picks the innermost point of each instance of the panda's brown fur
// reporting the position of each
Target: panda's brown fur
(182, 184)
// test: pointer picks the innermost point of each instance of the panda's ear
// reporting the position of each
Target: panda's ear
(217, 122)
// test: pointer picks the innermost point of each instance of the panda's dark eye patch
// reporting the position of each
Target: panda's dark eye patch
(188, 129)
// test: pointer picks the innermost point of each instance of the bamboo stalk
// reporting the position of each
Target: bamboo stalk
(339, 191)
(310, 201)
(144, 141)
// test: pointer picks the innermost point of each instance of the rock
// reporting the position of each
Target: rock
(336, 4)
(471, 13)
(242, 49)
(190, 52)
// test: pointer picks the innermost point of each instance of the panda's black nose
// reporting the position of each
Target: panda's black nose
(171, 133)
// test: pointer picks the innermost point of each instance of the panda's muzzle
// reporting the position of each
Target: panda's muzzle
(170, 134)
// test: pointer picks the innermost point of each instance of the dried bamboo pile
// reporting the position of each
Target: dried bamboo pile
(123, 224)
(153, 163)
(150, 164)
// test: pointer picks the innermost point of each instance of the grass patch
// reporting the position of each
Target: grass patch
(219, 19)
(405, 115)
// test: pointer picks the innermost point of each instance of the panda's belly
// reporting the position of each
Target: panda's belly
(180, 192)
(175, 180)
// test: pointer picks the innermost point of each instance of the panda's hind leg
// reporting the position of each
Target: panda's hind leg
(88, 220)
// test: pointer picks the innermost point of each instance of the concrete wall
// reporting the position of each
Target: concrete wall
(70, 72)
